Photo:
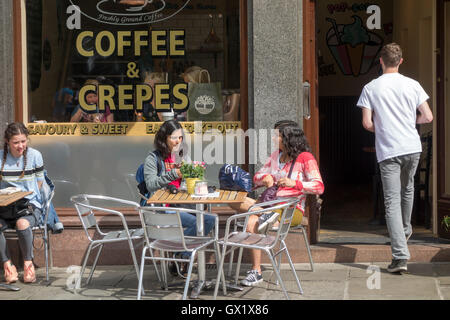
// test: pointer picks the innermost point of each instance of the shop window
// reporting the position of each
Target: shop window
(103, 57)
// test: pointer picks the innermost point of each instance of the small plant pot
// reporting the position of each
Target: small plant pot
(190, 184)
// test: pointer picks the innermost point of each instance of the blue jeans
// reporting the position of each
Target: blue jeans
(189, 223)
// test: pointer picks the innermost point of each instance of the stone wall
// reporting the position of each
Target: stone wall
(6, 64)
(275, 63)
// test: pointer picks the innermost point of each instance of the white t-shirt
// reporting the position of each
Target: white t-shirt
(394, 100)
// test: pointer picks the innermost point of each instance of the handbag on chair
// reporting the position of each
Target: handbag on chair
(16, 210)
(270, 193)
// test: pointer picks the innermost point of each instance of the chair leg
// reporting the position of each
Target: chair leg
(164, 270)
(220, 272)
(141, 274)
(155, 265)
(84, 264)
(46, 246)
(133, 256)
(188, 278)
(230, 264)
(278, 274)
(278, 264)
(293, 270)
(94, 265)
(50, 253)
(302, 229)
(238, 266)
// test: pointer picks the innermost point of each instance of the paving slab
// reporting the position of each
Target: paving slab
(390, 288)
(445, 293)
(424, 281)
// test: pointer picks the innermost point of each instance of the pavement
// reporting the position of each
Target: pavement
(328, 281)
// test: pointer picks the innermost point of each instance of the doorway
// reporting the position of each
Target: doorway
(442, 116)
(348, 58)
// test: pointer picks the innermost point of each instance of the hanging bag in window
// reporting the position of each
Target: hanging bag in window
(205, 101)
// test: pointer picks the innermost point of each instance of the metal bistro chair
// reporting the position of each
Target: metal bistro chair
(164, 232)
(242, 222)
(262, 242)
(305, 234)
(86, 213)
(41, 230)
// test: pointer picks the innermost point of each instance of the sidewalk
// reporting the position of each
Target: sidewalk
(424, 281)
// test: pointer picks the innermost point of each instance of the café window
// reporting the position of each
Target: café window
(132, 60)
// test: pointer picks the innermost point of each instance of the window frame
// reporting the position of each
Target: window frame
(21, 74)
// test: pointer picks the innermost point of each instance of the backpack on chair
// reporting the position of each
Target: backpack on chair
(142, 187)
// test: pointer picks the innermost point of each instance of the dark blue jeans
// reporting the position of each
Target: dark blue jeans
(189, 223)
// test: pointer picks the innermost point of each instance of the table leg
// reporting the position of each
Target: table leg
(202, 284)
(200, 257)
(201, 254)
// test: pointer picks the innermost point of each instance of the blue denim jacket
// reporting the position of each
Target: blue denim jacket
(52, 216)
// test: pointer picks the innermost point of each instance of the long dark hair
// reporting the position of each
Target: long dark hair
(12, 130)
(166, 129)
(294, 141)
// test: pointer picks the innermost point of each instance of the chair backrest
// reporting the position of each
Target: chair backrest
(160, 225)
(85, 212)
(287, 208)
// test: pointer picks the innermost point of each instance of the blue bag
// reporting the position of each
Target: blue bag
(142, 187)
(234, 178)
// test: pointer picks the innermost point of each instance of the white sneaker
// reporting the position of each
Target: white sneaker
(266, 221)
(252, 279)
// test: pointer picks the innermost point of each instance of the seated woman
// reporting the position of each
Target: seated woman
(21, 167)
(294, 151)
(170, 151)
(79, 115)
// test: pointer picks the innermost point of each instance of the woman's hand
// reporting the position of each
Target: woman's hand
(178, 171)
(286, 182)
(268, 181)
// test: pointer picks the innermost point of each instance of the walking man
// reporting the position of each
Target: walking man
(392, 105)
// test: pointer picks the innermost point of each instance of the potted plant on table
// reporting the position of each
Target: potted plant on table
(192, 172)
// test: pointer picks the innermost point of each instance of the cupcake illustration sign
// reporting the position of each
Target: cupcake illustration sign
(129, 12)
(353, 46)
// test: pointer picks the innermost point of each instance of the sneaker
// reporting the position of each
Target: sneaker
(399, 265)
(252, 279)
(266, 220)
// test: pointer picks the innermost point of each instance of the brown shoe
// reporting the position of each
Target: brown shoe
(29, 275)
(11, 274)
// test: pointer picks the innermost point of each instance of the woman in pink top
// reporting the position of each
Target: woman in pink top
(305, 179)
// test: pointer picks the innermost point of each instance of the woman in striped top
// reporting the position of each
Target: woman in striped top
(21, 167)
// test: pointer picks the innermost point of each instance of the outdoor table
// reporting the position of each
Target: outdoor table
(6, 200)
(164, 196)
